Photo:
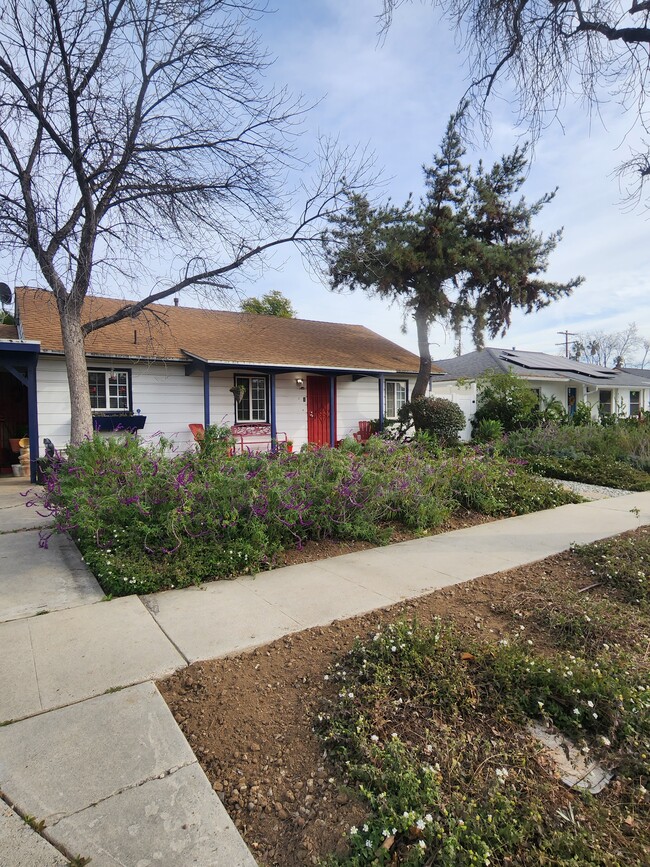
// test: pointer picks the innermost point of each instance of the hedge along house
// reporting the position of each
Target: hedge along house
(605, 390)
(172, 366)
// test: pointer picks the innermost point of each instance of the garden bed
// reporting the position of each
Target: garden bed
(251, 721)
(146, 518)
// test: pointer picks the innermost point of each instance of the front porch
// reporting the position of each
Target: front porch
(319, 406)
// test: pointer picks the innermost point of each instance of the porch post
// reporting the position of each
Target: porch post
(332, 410)
(381, 401)
(272, 406)
(206, 397)
(32, 420)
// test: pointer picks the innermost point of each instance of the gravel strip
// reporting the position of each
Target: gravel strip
(589, 492)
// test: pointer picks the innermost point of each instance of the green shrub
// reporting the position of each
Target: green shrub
(602, 470)
(487, 430)
(617, 456)
(507, 398)
(438, 417)
(552, 411)
(582, 415)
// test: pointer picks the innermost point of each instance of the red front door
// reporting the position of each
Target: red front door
(318, 410)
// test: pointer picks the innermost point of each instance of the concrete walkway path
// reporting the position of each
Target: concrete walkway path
(89, 745)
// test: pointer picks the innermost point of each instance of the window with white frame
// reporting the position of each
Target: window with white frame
(110, 390)
(395, 396)
(253, 405)
(635, 402)
(605, 401)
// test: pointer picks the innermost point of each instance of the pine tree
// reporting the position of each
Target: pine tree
(467, 253)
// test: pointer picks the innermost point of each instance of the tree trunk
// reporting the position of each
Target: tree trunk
(422, 382)
(81, 420)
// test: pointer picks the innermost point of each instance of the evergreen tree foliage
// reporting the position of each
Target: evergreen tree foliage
(466, 253)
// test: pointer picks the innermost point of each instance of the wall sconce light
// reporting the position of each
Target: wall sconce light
(300, 383)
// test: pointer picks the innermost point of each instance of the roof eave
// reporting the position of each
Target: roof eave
(267, 365)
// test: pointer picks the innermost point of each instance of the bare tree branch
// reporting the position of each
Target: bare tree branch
(131, 128)
(550, 49)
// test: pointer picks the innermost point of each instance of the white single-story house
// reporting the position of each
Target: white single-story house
(570, 382)
(172, 366)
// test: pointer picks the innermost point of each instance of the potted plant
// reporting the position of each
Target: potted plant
(238, 391)
(20, 432)
(289, 445)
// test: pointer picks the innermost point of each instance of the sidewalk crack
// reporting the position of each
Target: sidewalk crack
(31, 647)
(54, 819)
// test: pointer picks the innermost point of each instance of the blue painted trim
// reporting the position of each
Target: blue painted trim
(14, 355)
(273, 411)
(206, 397)
(32, 421)
(332, 410)
(381, 401)
(17, 346)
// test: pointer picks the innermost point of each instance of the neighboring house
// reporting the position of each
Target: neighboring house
(570, 382)
(175, 366)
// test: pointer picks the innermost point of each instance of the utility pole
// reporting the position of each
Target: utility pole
(566, 335)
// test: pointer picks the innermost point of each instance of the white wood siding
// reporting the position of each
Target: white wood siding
(171, 401)
(53, 400)
(355, 402)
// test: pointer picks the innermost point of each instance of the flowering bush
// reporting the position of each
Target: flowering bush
(428, 727)
(146, 517)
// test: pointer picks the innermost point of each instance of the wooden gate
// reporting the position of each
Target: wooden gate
(318, 410)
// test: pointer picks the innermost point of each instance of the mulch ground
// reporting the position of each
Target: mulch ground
(249, 717)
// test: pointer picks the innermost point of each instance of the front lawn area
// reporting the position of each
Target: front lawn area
(147, 519)
(400, 737)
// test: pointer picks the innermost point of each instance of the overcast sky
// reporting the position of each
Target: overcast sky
(396, 95)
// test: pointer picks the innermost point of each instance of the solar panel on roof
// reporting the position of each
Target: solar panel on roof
(541, 361)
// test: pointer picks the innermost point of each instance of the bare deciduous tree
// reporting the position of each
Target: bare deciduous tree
(626, 348)
(548, 49)
(135, 131)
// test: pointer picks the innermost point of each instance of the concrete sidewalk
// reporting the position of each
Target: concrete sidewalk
(110, 772)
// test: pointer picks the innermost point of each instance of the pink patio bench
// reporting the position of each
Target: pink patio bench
(255, 437)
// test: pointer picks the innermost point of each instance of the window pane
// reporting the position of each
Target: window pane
(635, 402)
(395, 397)
(242, 407)
(258, 399)
(390, 410)
(118, 393)
(97, 388)
(605, 398)
(109, 389)
(400, 395)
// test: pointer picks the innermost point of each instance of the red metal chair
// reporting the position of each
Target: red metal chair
(364, 433)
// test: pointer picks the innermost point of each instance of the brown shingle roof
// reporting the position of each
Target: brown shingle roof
(163, 331)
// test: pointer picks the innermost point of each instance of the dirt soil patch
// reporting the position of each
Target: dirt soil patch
(320, 550)
(249, 717)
